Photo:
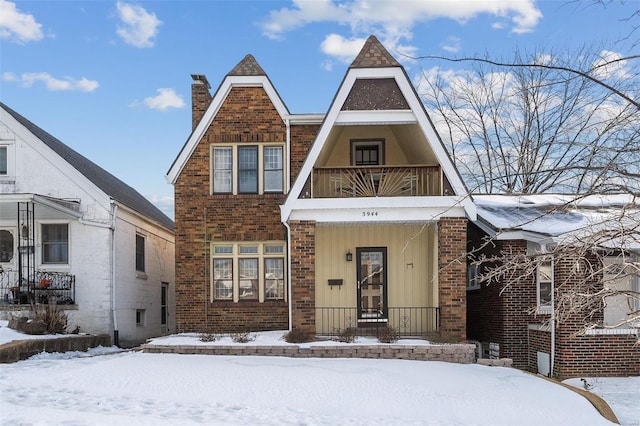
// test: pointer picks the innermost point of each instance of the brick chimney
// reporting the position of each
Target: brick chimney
(200, 98)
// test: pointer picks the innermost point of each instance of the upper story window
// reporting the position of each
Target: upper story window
(4, 160)
(247, 169)
(367, 152)
(545, 285)
(55, 243)
(139, 253)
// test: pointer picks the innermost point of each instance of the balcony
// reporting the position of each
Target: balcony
(43, 287)
(376, 181)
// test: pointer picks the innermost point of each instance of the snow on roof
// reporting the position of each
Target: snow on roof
(553, 214)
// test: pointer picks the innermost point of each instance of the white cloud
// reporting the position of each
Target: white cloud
(53, 84)
(393, 21)
(451, 45)
(18, 26)
(166, 98)
(139, 27)
(341, 48)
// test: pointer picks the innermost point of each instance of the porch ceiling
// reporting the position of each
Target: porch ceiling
(45, 207)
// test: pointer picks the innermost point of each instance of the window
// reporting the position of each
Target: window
(222, 169)
(273, 171)
(139, 253)
(140, 316)
(248, 271)
(545, 284)
(274, 278)
(367, 152)
(55, 243)
(6, 246)
(258, 169)
(474, 274)
(223, 279)
(4, 160)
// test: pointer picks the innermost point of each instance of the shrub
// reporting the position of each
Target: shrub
(244, 337)
(346, 335)
(55, 319)
(207, 337)
(298, 336)
(387, 335)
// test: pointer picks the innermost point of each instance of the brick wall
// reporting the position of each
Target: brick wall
(452, 267)
(539, 341)
(246, 116)
(303, 280)
(200, 100)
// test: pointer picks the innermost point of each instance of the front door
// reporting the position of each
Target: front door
(372, 283)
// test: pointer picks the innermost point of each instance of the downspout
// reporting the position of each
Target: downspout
(553, 320)
(114, 310)
(286, 224)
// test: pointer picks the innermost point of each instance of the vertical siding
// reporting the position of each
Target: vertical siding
(410, 263)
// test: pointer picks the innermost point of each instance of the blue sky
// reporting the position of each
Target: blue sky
(112, 79)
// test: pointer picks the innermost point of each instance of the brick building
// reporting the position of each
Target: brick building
(512, 318)
(319, 222)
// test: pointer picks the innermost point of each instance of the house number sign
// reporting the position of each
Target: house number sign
(369, 213)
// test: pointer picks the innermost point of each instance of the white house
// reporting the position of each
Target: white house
(73, 234)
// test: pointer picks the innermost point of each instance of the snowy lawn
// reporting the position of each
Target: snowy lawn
(107, 386)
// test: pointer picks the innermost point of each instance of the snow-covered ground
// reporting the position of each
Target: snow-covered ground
(109, 386)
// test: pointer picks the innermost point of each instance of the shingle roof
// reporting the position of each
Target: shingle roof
(374, 55)
(247, 66)
(104, 180)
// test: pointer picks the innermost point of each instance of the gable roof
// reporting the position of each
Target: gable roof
(374, 69)
(374, 55)
(247, 73)
(109, 184)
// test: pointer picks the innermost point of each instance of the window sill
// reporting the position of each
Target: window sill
(141, 275)
(544, 310)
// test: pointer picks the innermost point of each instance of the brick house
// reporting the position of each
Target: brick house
(512, 318)
(318, 222)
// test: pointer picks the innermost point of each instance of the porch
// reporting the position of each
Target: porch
(376, 181)
(407, 321)
(42, 287)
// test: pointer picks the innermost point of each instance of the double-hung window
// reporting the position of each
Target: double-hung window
(248, 271)
(55, 243)
(247, 169)
(545, 285)
(4, 160)
(139, 253)
(222, 169)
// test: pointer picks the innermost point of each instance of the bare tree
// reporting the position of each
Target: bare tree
(531, 126)
(554, 123)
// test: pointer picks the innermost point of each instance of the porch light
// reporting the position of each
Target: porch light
(349, 256)
(24, 232)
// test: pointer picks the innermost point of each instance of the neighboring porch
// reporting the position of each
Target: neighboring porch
(42, 287)
(34, 250)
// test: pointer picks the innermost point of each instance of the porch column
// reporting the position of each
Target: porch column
(303, 276)
(452, 277)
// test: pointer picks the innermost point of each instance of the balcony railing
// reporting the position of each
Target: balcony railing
(408, 321)
(43, 287)
(376, 181)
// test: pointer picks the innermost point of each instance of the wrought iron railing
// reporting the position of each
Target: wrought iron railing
(44, 287)
(407, 321)
(376, 181)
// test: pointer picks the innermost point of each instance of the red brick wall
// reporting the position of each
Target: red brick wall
(539, 341)
(452, 267)
(246, 116)
(200, 100)
(303, 280)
